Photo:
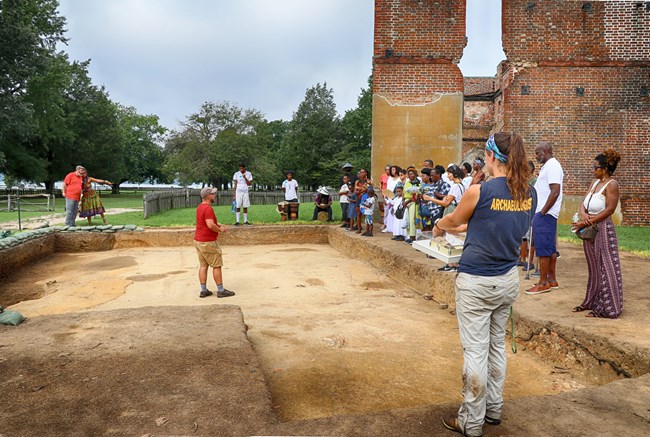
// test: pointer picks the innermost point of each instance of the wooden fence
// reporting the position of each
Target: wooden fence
(162, 201)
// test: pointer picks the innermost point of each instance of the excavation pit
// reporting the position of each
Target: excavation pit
(333, 326)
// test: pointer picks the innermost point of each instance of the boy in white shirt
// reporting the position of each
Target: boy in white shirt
(290, 188)
(343, 192)
(241, 180)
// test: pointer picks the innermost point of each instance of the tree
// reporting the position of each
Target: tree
(29, 33)
(212, 142)
(312, 139)
(356, 129)
(142, 137)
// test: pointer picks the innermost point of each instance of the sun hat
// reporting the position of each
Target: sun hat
(323, 191)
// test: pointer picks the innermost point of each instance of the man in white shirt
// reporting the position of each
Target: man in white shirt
(549, 201)
(290, 188)
(241, 180)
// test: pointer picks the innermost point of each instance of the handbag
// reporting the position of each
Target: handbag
(424, 210)
(399, 212)
(588, 233)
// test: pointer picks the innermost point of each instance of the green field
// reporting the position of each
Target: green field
(633, 239)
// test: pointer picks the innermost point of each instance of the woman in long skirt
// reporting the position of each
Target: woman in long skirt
(605, 285)
(91, 204)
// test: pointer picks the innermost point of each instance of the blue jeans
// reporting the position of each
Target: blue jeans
(71, 209)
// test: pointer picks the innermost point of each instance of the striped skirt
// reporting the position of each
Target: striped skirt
(605, 285)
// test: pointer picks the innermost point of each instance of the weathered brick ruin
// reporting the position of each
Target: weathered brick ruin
(577, 75)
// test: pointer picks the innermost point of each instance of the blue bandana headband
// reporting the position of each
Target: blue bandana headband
(492, 147)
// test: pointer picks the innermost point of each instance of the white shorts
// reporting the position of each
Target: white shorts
(242, 199)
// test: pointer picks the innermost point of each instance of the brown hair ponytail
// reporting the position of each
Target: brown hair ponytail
(518, 171)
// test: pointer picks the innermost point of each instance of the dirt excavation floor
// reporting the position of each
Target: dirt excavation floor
(314, 343)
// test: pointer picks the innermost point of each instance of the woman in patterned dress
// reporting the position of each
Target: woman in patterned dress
(605, 285)
(91, 204)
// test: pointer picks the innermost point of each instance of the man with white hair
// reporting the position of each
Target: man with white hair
(71, 191)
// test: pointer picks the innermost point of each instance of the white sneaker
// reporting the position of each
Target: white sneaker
(385, 231)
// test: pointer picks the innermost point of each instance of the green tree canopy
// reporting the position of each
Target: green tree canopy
(212, 142)
(356, 129)
(313, 139)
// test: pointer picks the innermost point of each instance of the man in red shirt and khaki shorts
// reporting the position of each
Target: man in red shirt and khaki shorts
(207, 248)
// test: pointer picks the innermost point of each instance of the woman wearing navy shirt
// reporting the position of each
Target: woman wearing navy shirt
(496, 215)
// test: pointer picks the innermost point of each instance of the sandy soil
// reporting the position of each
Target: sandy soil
(118, 343)
(334, 335)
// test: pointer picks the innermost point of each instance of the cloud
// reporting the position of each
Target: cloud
(167, 57)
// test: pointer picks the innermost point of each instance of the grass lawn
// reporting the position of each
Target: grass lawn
(185, 217)
(632, 239)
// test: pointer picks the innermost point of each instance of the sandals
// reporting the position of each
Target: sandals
(591, 314)
(578, 309)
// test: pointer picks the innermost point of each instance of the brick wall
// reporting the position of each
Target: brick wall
(574, 77)
(433, 29)
(473, 85)
(570, 30)
(417, 85)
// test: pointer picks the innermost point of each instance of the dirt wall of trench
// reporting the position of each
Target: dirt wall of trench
(564, 345)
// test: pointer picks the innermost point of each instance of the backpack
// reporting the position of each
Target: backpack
(399, 212)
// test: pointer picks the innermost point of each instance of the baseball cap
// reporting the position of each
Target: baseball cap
(205, 192)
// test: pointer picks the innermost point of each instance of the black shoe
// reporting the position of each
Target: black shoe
(447, 268)
(398, 238)
(491, 421)
(557, 255)
(205, 293)
(248, 223)
(408, 241)
(225, 293)
(367, 234)
(344, 225)
(237, 223)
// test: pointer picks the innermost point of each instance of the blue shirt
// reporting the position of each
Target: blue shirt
(495, 230)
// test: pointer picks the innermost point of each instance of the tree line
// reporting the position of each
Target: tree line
(53, 117)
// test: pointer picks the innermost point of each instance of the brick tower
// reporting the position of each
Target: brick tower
(418, 101)
(578, 75)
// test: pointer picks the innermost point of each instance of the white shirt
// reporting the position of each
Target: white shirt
(290, 187)
(391, 183)
(550, 173)
(344, 197)
(467, 181)
(369, 206)
(596, 202)
(242, 186)
(456, 190)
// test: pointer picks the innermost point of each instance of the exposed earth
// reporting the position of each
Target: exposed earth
(118, 343)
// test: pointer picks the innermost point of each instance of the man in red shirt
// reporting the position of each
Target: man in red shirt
(72, 193)
(207, 248)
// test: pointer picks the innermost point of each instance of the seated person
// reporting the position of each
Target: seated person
(323, 202)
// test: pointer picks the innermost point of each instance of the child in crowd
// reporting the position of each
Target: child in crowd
(343, 192)
(399, 224)
(352, 210)
(368, 210)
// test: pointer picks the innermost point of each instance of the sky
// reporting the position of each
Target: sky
(167, 57)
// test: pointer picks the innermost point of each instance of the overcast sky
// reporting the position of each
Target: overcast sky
(167, 57)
